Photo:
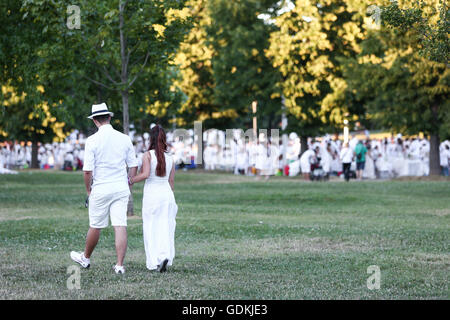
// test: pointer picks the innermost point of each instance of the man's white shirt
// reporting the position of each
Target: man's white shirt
(306, 157)
(444, 158)
(108, 153)
(346, 155)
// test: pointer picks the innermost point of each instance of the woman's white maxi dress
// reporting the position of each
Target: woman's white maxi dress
(159, 210)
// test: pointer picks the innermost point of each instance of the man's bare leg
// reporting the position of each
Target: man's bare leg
(359, 174)
(121, 244)
(91, 241)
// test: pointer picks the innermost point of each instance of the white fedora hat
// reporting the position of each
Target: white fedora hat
(100, 109)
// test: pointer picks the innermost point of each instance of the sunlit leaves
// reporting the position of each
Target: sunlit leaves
(401, 89)
(306, 49)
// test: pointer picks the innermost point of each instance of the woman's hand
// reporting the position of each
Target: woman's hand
(145, 171)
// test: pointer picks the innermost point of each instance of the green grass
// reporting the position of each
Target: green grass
(236, 238)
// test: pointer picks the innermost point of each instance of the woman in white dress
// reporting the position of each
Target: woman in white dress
(369, 169)
(270, 161)
(261, 152)
(159, 208)
(242, 159)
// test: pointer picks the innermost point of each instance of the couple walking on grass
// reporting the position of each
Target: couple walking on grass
(108, 153)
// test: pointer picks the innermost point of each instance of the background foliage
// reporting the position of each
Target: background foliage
(318, 61)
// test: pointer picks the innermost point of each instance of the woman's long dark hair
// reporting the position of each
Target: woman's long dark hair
(158, 143)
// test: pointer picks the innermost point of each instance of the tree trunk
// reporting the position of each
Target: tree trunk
(126, 116)
(124, 69)
(303, 144)
(124, 92)
(435, 168)
(126, 127)
(34, 155)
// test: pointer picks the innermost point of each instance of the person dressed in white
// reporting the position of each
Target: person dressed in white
(261, 157)
(353, 142)
(159, 208)
(444, 156)
(242, 159)
(326, 159)
(369, 169)
(346, 156)
(210, 157)
(3, 170)
(306, 160)
(108, 153)
(274, 157)
(270, 163)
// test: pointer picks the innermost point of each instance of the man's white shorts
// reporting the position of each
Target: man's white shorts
(103, 206)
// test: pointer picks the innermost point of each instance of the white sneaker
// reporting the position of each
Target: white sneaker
(79, 258)
(119, 269)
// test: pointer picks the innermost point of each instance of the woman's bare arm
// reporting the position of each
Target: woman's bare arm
(145, 171)
(172, 176)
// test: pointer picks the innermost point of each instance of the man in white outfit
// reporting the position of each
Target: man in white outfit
(107, 155)
(353, 142)
(445, 159)
(306, 160)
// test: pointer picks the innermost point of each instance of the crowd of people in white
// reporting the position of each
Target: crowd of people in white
(325, 156)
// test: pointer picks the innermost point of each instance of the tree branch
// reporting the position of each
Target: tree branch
(98, 82)
(131, 50)
(114, 69)
(136, 61)
(140, 71)
(109, 76)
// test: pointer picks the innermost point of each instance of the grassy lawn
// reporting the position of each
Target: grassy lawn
(236, 238)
